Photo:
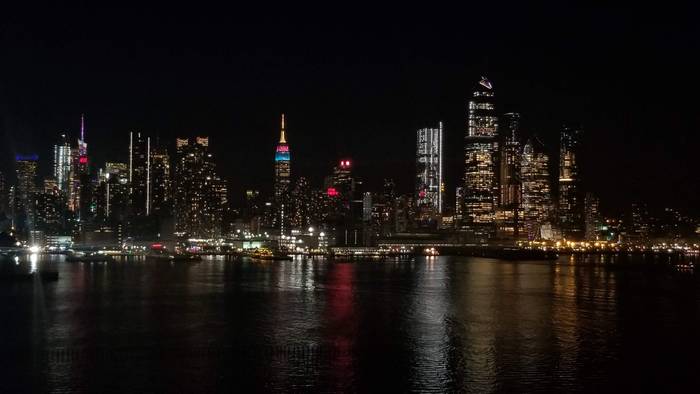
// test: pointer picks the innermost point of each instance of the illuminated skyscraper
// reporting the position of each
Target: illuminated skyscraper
(536, 194)
(160, 195)
(593, 219)
(481, 159)
(508, 215)
(282, 164)
(79, 191)
(139, 173)
(282, 178)
(300, 205)
(114, 201)
(26, 167)
(200, 195)
(570, 198)
(637, 226)
(49, 209)
(429, 156)
(62, 164)
(82, 148)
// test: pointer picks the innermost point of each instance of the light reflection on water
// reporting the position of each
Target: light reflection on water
(432, 324)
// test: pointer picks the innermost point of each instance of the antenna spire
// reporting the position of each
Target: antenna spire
(82, 127)
(283, 139)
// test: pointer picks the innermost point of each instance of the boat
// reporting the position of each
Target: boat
(186, 257)
(267, 254)
(159, 257)
(180, 257)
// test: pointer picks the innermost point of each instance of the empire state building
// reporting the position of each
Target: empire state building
(282, 165)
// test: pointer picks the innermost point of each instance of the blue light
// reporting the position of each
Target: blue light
(33, 157)
(282, 156)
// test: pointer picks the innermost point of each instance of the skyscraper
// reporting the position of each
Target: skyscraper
(160, 195)
(508, 214)
(26, 167)
(536, 193)
(49, 209)
(82, 148)
(481, 162)
(282, 165)
(570, 198)
(300, 204)
(114, 201)
(62, 164)
(139, 173)
(200, 194)
(593, 220)
(282, 179)
(429, 184)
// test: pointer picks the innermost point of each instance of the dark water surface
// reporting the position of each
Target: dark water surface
(439, 324)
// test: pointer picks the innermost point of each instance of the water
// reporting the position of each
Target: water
(433, 324)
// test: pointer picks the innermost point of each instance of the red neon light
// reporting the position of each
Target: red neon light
(157, 246)
(332, 192)
(83, 160)
(282, 148)
(345, 163)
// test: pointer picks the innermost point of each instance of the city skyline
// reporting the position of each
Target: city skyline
(341, 89)
(346, 198)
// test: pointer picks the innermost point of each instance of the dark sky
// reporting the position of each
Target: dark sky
(356, 82)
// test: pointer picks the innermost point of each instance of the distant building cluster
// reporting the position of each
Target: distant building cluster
(510, 189)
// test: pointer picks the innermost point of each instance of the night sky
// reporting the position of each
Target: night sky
(356, 83)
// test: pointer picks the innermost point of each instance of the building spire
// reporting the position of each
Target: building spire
(283, 139)
(82, 127)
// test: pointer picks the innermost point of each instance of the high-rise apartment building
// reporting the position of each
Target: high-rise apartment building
(200, 195)
(160, 182)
